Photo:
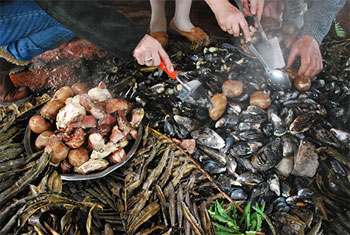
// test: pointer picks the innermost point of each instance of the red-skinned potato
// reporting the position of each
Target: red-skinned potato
(77, 157)
(65, 166)
(260, 99)
(38, 124)
(59, 152)
(63, 93)
(42, 140)
(232, 88)
(55, 138)
(51, 108)
(302, 83)
(219, 102)
(79, 88)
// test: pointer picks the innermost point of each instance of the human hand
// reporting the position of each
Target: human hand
(274, 9)
(229, 18)
(149, 52)
(309, 51)
(253, 7)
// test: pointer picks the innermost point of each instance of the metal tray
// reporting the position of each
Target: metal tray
(29, 145)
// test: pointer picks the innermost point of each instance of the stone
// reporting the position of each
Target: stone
(285, 166)
(306, 160)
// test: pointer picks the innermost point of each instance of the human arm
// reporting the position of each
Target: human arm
(319, 17)
(105, 27)
(317, 22)
(274, 9)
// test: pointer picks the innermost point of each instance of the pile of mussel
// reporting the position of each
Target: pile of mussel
(288, 148)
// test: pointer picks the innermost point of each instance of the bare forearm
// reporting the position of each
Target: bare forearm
(215, 5)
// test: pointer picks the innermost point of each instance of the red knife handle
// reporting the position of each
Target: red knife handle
(173, 75)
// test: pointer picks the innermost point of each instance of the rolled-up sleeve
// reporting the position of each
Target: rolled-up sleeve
(318, 19)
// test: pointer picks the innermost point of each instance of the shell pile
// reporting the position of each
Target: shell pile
(286, 149)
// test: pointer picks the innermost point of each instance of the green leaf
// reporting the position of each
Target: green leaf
(258, 223)
(226, 229)
(211, 208)
(228, 220)
(233, 213)
(257, 205)
(216, 209)
(227, 233)
(247, 222)
(222, 211)
(223, 220)
(253, 220)
(246, 211)
(262, 208)
(253, 224)
(216, 216)
(339, 30)
(253, 215)
(267, 219)
(250, 232)
(250, 220)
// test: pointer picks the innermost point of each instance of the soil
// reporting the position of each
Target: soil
(140, 11)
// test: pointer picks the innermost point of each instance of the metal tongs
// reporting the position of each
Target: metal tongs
(193, 92)
(257, 21)
(269, 49)
(276, 78)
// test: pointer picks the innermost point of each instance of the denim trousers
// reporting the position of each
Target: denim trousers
(26, 30)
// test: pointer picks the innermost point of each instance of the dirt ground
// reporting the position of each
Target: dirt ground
(140, 11)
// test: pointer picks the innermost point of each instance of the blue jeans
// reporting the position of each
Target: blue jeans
(26, 30)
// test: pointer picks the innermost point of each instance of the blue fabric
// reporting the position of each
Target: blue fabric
(26, 30)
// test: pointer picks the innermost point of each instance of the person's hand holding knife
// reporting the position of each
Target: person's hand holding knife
(231, 19)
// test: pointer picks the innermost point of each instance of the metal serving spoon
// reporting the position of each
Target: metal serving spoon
(277, 78)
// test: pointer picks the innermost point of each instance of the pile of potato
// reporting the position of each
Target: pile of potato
(84, 129)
